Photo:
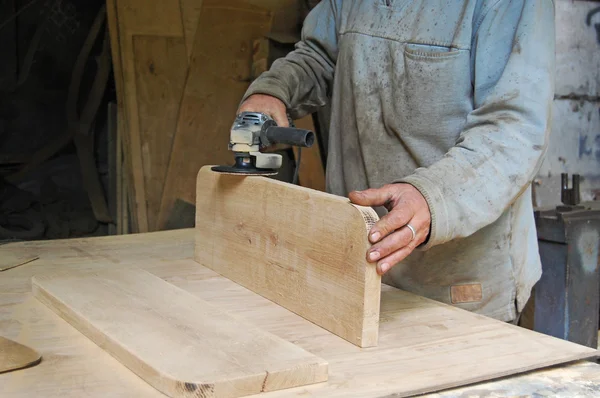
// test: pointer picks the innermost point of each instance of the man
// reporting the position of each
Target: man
(440, 114)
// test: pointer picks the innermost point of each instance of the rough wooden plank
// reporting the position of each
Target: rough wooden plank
(138, 17)
(218, 76)
(190, 14)
(424, 345)
(303, 249)
(15, 356)
(124, 164)
(286, 14)
(179, 344)
(112, 149)
(161, 69)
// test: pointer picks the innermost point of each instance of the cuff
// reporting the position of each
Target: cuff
(439, 232)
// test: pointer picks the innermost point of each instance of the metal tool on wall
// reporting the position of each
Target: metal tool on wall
(566, 299)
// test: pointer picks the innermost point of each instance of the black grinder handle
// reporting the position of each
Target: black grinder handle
(290, 136)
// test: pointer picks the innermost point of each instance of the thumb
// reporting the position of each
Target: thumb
(371, 197)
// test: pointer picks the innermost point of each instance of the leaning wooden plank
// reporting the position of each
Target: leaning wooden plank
(178, 343)
(161, 68)
(122, 136)
(190, 13)
(301, 248)
(218, 76)
(140, 17)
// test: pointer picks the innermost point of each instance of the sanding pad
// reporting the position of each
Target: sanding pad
(249, 171)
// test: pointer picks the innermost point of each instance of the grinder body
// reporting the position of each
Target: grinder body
(253, 131)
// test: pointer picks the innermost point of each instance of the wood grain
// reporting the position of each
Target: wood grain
(190, 14)
(218, 76)
(161, 68)
(301, 248)
(178, 343)
(14, 356)
(123, 162)
(137, 17)
(424, 346)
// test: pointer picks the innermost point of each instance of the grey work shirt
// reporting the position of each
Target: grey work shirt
(453, 97)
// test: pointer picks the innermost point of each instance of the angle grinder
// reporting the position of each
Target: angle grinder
(253, 131)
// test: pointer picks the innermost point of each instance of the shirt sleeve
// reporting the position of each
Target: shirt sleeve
(304, 78)
(503, 143)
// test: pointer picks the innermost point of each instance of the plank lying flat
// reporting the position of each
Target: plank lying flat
(14, 356)
(301, 248)
(179, 344)
(10, 261)
(423, 345)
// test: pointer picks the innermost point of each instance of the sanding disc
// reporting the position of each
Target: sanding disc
(247, 171)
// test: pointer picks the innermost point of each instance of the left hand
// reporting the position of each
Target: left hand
(392, 239)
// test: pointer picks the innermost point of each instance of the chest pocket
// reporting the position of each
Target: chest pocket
(412, 59)
(433, 94)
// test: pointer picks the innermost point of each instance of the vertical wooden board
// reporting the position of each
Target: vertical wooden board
(141, 17)
(112, 149)
(312, 173)
(286, 14)
(301, 248)
(124, 164)
(115, 47)
(218, 77)
(149, 17)
(176, 342)
(160, 69)
(190, 14)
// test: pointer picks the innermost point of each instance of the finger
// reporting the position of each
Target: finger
(421, 222)
(395, 219)
(391, 243)
(386, 263)
(371, 197)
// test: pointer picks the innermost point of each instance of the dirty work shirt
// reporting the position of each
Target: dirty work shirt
(453, 97)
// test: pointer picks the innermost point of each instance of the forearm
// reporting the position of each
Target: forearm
(302, 80)
(503, 143)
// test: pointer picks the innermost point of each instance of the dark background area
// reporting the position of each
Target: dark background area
(40, 42)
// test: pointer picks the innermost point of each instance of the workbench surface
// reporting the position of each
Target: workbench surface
(73, 366)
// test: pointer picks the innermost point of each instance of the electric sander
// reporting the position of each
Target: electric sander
(254, 131)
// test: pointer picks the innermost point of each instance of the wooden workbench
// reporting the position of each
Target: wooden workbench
(73, 366)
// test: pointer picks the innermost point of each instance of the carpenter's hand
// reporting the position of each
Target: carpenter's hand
(392, 239)
(268, 105)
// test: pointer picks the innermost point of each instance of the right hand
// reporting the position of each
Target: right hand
(268, 105)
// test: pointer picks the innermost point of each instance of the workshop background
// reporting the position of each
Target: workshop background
(109, 109)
